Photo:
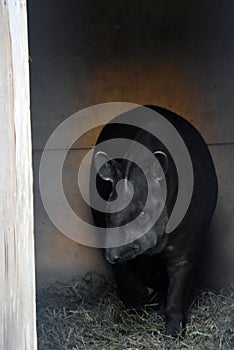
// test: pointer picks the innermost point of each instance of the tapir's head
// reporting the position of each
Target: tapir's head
(136, 200)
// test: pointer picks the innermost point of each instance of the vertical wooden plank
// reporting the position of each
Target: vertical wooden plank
(17, 267)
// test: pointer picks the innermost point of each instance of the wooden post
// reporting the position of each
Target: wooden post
(17, 267)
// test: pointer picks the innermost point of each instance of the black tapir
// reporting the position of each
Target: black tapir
(137, 264)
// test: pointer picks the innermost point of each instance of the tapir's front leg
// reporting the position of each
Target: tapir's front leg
(180, 280)
(130, 287)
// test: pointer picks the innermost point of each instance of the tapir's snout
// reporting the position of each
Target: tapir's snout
(113, 258)
(121, 254)
(111, 255)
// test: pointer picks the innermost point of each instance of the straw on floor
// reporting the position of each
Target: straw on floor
(87, 314)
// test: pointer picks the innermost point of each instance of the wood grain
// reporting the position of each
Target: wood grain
(17, 268)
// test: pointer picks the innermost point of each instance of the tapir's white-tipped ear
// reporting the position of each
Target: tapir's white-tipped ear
(104, 166)
(159, 171)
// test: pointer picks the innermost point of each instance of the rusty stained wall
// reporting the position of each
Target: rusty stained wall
(178, 55)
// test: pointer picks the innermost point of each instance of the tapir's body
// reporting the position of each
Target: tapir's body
(137, 265)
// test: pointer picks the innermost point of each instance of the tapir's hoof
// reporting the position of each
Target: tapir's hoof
(175, 327)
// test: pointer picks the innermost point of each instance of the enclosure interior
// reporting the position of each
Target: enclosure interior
(178, 55)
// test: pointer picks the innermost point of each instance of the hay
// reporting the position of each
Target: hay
(86, 314)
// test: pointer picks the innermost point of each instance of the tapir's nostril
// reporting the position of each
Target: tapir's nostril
(114, 259)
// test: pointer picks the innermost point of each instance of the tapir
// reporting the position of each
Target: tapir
(139, 263)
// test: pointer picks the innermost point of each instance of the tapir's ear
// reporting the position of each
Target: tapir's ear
(105, 167)
(159, 171)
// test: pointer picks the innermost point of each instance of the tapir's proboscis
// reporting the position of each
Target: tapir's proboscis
(138, 264)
